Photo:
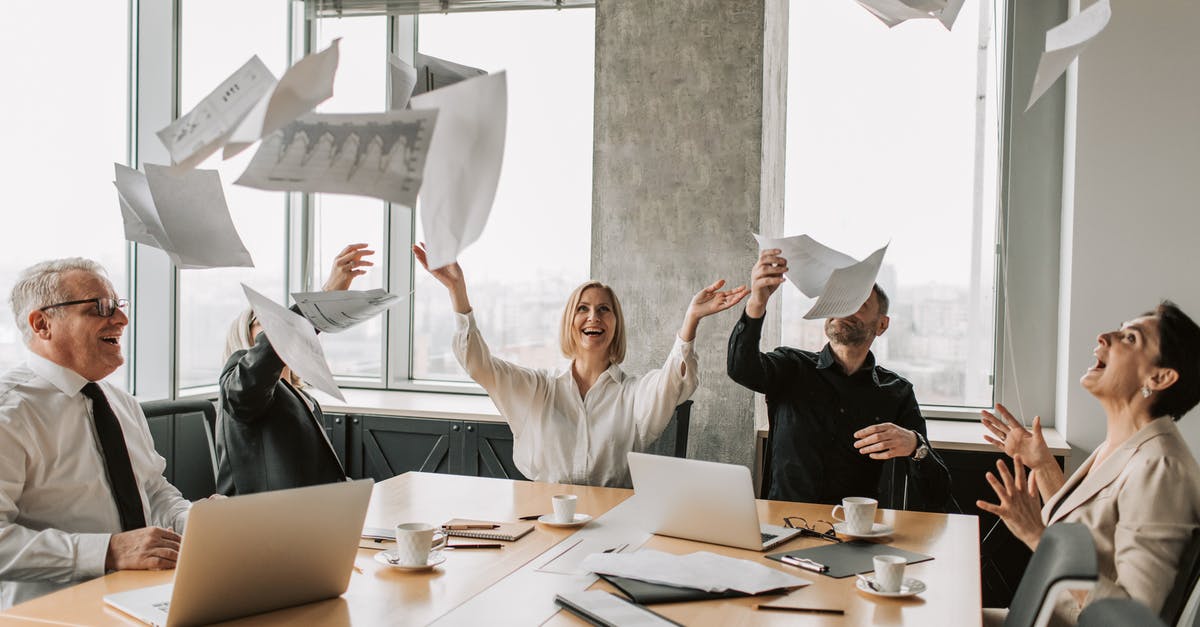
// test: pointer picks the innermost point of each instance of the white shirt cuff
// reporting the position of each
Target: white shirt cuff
(90, 551)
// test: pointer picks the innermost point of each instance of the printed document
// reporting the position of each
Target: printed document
(1064, 43)
(839, 283)
(402, 78)
(434, 73)
(294, 340)
(336, 311)
(893, 12)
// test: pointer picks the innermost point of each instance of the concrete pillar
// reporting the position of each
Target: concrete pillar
(689, 145)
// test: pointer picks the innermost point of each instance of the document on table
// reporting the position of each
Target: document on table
(893, 12)
(434, 73)
(294, 340)
(339, 310)
(1064, 43)
(305, 85)
(382, 155)
(181, 212)
(201, 131)
(463, 166)
(402, 78)
(839, 283)
(701, 570)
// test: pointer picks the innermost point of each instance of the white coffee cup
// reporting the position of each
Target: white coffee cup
(889, 572)
(414, 541)
(859, 513)
(564, 507)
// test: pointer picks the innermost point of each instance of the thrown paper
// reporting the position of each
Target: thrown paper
(294, 340)
(181, 212)
(402, 79)
(339, 310)
(201, 131)
(1064, 43)
(839, 283)
(463, 166)
(893, 12)
(434, 73)
(305, 85)
(381, 155)
(701, 570)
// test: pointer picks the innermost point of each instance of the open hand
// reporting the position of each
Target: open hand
(710, 300)
(885, 441)
(450, 276)
(1019, 506)
(148, 548)
(348, 264)
(1014, 439)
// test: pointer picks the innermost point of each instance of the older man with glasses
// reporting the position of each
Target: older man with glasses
(81, 486)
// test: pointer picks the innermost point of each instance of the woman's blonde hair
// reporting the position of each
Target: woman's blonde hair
(566, 335)
(239, 339)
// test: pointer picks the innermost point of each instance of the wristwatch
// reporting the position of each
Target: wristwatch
(922, 448)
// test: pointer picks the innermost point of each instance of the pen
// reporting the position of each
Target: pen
(806, 564)
(810, 610)
(476, 546)
(465, 527)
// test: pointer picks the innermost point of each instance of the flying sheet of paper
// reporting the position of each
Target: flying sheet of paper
(181, 212)
(294, 340)
(434, 73)
(893, 12)
(402, 79)
(463, 168)
(381, 155)
(1064, 43)
(839, 283)
(305, 85)
(336, 311)
(848, 288)
(201, 131)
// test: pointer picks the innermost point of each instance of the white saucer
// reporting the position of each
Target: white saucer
(435, 558)
(909, 587)
(580, 520)
(878, 530)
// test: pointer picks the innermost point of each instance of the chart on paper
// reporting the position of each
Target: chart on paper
(379, 154)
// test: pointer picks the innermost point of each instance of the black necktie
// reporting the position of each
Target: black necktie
(116, 460)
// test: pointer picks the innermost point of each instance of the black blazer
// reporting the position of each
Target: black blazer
(267, 438)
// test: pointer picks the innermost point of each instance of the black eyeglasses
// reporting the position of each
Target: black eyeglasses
(105, 307)
(813, 530)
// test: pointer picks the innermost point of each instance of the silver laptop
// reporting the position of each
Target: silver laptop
(698, 500)
(256, 553)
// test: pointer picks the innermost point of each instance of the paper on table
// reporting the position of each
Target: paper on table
(434, 73)
(834, 278)
(701, 570)
(848, 288)
(893, 12)
(382, 155)
(294, 340)
(336, 311)
(403, 79)
(305, 85)
(1064, 43)
(463, 166)
(200, 132)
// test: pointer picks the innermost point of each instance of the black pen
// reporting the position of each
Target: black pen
(806, 564)
(810, 610)
(475, 546)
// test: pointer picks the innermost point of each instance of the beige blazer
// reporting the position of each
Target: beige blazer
(1141, 505)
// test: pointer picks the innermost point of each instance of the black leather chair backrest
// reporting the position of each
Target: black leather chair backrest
(183, 432)
(1118, 613)
(683, 420)
(1065, 554)
(1185, 581)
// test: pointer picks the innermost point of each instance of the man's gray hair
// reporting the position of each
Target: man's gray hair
(40, 285)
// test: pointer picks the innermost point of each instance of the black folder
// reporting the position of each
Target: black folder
(646, 593)
(851, 558)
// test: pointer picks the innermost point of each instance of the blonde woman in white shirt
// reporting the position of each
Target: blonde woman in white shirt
(576, 426)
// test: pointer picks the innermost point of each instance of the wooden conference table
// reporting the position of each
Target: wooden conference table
(380, 595)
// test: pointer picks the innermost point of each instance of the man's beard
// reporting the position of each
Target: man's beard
(850, 332)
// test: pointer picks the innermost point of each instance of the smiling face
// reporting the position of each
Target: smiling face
(1125, 360)
(76, 336)
(861, 327)
(592, 323)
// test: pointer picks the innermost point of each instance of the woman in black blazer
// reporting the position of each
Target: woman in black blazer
(270, 432)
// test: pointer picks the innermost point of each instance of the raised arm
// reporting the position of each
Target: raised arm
(1015, 440)
(450, 276)
(750, 368)
(707, 302)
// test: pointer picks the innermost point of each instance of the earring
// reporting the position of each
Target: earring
(1145, 391)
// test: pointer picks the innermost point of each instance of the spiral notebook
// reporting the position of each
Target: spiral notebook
(508, 531)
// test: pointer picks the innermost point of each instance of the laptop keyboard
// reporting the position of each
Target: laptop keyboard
(161, 606)
(767, 537)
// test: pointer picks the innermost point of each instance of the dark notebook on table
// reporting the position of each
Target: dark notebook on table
(647, 593)
(851, 558)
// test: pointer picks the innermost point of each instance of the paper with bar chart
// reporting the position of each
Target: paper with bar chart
(338, 310)
(381, 155)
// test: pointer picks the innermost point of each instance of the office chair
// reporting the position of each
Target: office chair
(1064, 560)
(186, 443)
(683, 420)
(1118, 613)
(1183, 593)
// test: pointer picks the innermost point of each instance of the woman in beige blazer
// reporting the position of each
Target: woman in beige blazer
(1139, 491)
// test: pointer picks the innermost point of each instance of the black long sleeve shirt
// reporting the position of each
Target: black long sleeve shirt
(814, 409)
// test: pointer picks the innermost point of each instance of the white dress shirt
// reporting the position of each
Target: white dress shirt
(561, 437)
(56, 508)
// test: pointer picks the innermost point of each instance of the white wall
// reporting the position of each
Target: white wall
(1134, 226)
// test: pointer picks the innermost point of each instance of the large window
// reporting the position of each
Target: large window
(66, 108)
(211, 47)
(892, 136)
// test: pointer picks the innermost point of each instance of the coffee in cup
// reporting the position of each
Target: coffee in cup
(564, 507)
(414, 541)
(859, 513)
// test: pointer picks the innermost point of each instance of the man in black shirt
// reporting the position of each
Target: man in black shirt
(835, 416)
